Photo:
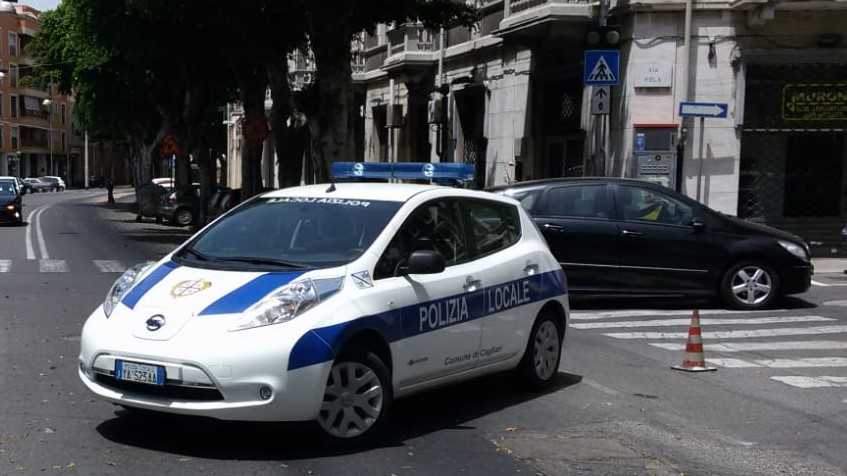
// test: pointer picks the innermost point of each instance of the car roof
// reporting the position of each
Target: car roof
(393, 192)
(8, 178)
(569, 180)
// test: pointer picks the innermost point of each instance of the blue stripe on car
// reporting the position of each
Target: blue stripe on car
(406, 322)
(249, 294)
(146, 284)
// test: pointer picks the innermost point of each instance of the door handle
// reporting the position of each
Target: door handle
(634, 234)
(531, 269)
(471, 284)
(552, 227)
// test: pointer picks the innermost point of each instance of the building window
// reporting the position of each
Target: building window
(13, 106)
(63, 140)
(15, 140)
(13, 75)
(64, 111)
(13, 44)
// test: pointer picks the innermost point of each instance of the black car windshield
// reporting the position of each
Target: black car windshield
(291, 232)
(7, 187)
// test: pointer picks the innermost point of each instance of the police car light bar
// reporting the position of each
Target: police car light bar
(402, 170)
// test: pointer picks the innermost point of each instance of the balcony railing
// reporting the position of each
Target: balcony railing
(517, 6)
(411, 37)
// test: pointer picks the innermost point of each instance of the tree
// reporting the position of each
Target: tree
(332, 24)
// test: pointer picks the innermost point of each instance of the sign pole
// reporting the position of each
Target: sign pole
(700, 168)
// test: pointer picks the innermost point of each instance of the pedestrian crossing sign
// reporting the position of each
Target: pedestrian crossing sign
(602, 68)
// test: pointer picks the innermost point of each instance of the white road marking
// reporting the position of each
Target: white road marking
(109, 266)
(818, 283)
(5, 265)
(743, 334)
(30, 251)
(812, 382)
(52, 266)
(713, 322)
(782, 363)
(760, 346)
(580, 316)
(42, 245)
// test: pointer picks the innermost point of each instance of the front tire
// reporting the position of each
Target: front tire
(183, 217)
(357, 397)
(750, 286)
(540, 362)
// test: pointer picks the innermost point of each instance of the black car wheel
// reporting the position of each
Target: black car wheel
(543, 353)
(750, 285)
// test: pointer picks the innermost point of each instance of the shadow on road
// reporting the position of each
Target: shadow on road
(448, 408)
(629, 303)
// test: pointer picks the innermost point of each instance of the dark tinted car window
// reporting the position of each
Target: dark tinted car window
(581, 201)
(435, 226)
(527, 198)
(641, 204)
(8, 187)
(495, 226)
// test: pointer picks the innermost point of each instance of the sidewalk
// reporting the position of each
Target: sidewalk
(830, 265)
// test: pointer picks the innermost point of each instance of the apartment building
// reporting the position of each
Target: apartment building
(35, 123)
(516, 106)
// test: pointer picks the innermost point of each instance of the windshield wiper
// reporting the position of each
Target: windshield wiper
(264, 261)
(197, 254)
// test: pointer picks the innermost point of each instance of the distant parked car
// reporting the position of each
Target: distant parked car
(56, 183)
(35, 185)
(11, 205)
(222, 201)
(96, 181)
(179, 208)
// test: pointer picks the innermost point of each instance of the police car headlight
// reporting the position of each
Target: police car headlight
(121, 286)
(795, 250)
(288, 302)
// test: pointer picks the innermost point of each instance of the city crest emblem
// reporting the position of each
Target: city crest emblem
(190, 287)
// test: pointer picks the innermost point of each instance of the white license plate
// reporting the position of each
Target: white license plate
(141, 373)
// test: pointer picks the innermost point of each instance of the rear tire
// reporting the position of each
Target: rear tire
(357, 397)
(540, 363)
(749, 286)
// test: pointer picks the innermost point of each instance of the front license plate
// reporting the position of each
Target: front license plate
(141, 373)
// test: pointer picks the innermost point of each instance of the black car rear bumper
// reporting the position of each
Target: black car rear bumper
(797, 279)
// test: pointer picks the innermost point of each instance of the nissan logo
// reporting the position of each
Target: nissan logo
(155, 323)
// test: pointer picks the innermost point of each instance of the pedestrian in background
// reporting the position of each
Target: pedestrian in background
(110, 189)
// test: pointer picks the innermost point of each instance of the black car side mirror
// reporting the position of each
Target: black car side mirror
(425, 262)
(698, 224)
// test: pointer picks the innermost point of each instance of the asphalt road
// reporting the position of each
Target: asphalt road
(776, 405)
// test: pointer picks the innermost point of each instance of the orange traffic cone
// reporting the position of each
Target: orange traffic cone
(694, 361)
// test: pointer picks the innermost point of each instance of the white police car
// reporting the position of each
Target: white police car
(316, 303)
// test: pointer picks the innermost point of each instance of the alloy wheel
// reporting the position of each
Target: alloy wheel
(184, 217)
(751, 285)
(353, 400)
(546, 350)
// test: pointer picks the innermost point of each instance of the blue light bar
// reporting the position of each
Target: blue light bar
(402, 171)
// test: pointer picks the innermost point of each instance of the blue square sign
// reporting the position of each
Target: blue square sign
(602, 68)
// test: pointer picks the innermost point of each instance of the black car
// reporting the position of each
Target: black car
(11, 203)
(178, 207)
(629, 237)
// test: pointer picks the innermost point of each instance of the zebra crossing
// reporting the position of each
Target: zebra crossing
(52, 266)
(803, 348)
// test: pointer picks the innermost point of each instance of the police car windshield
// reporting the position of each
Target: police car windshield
(291, 232)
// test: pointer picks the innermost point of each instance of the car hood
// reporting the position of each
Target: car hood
(184, 293)
(763, 229)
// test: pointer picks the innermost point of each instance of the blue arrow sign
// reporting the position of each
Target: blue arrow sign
(602, 68)
(703, 109)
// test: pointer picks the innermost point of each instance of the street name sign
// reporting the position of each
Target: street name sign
(602, 68)
(600, 98)
(703, 109)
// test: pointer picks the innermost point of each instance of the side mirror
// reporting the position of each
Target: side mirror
(698, 224)
(425, 262)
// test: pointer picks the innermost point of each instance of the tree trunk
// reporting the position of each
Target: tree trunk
(332, 131)
(290, 164)
(252, 82)
(206, 163)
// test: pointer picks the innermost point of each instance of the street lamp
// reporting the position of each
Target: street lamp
(48, 104)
